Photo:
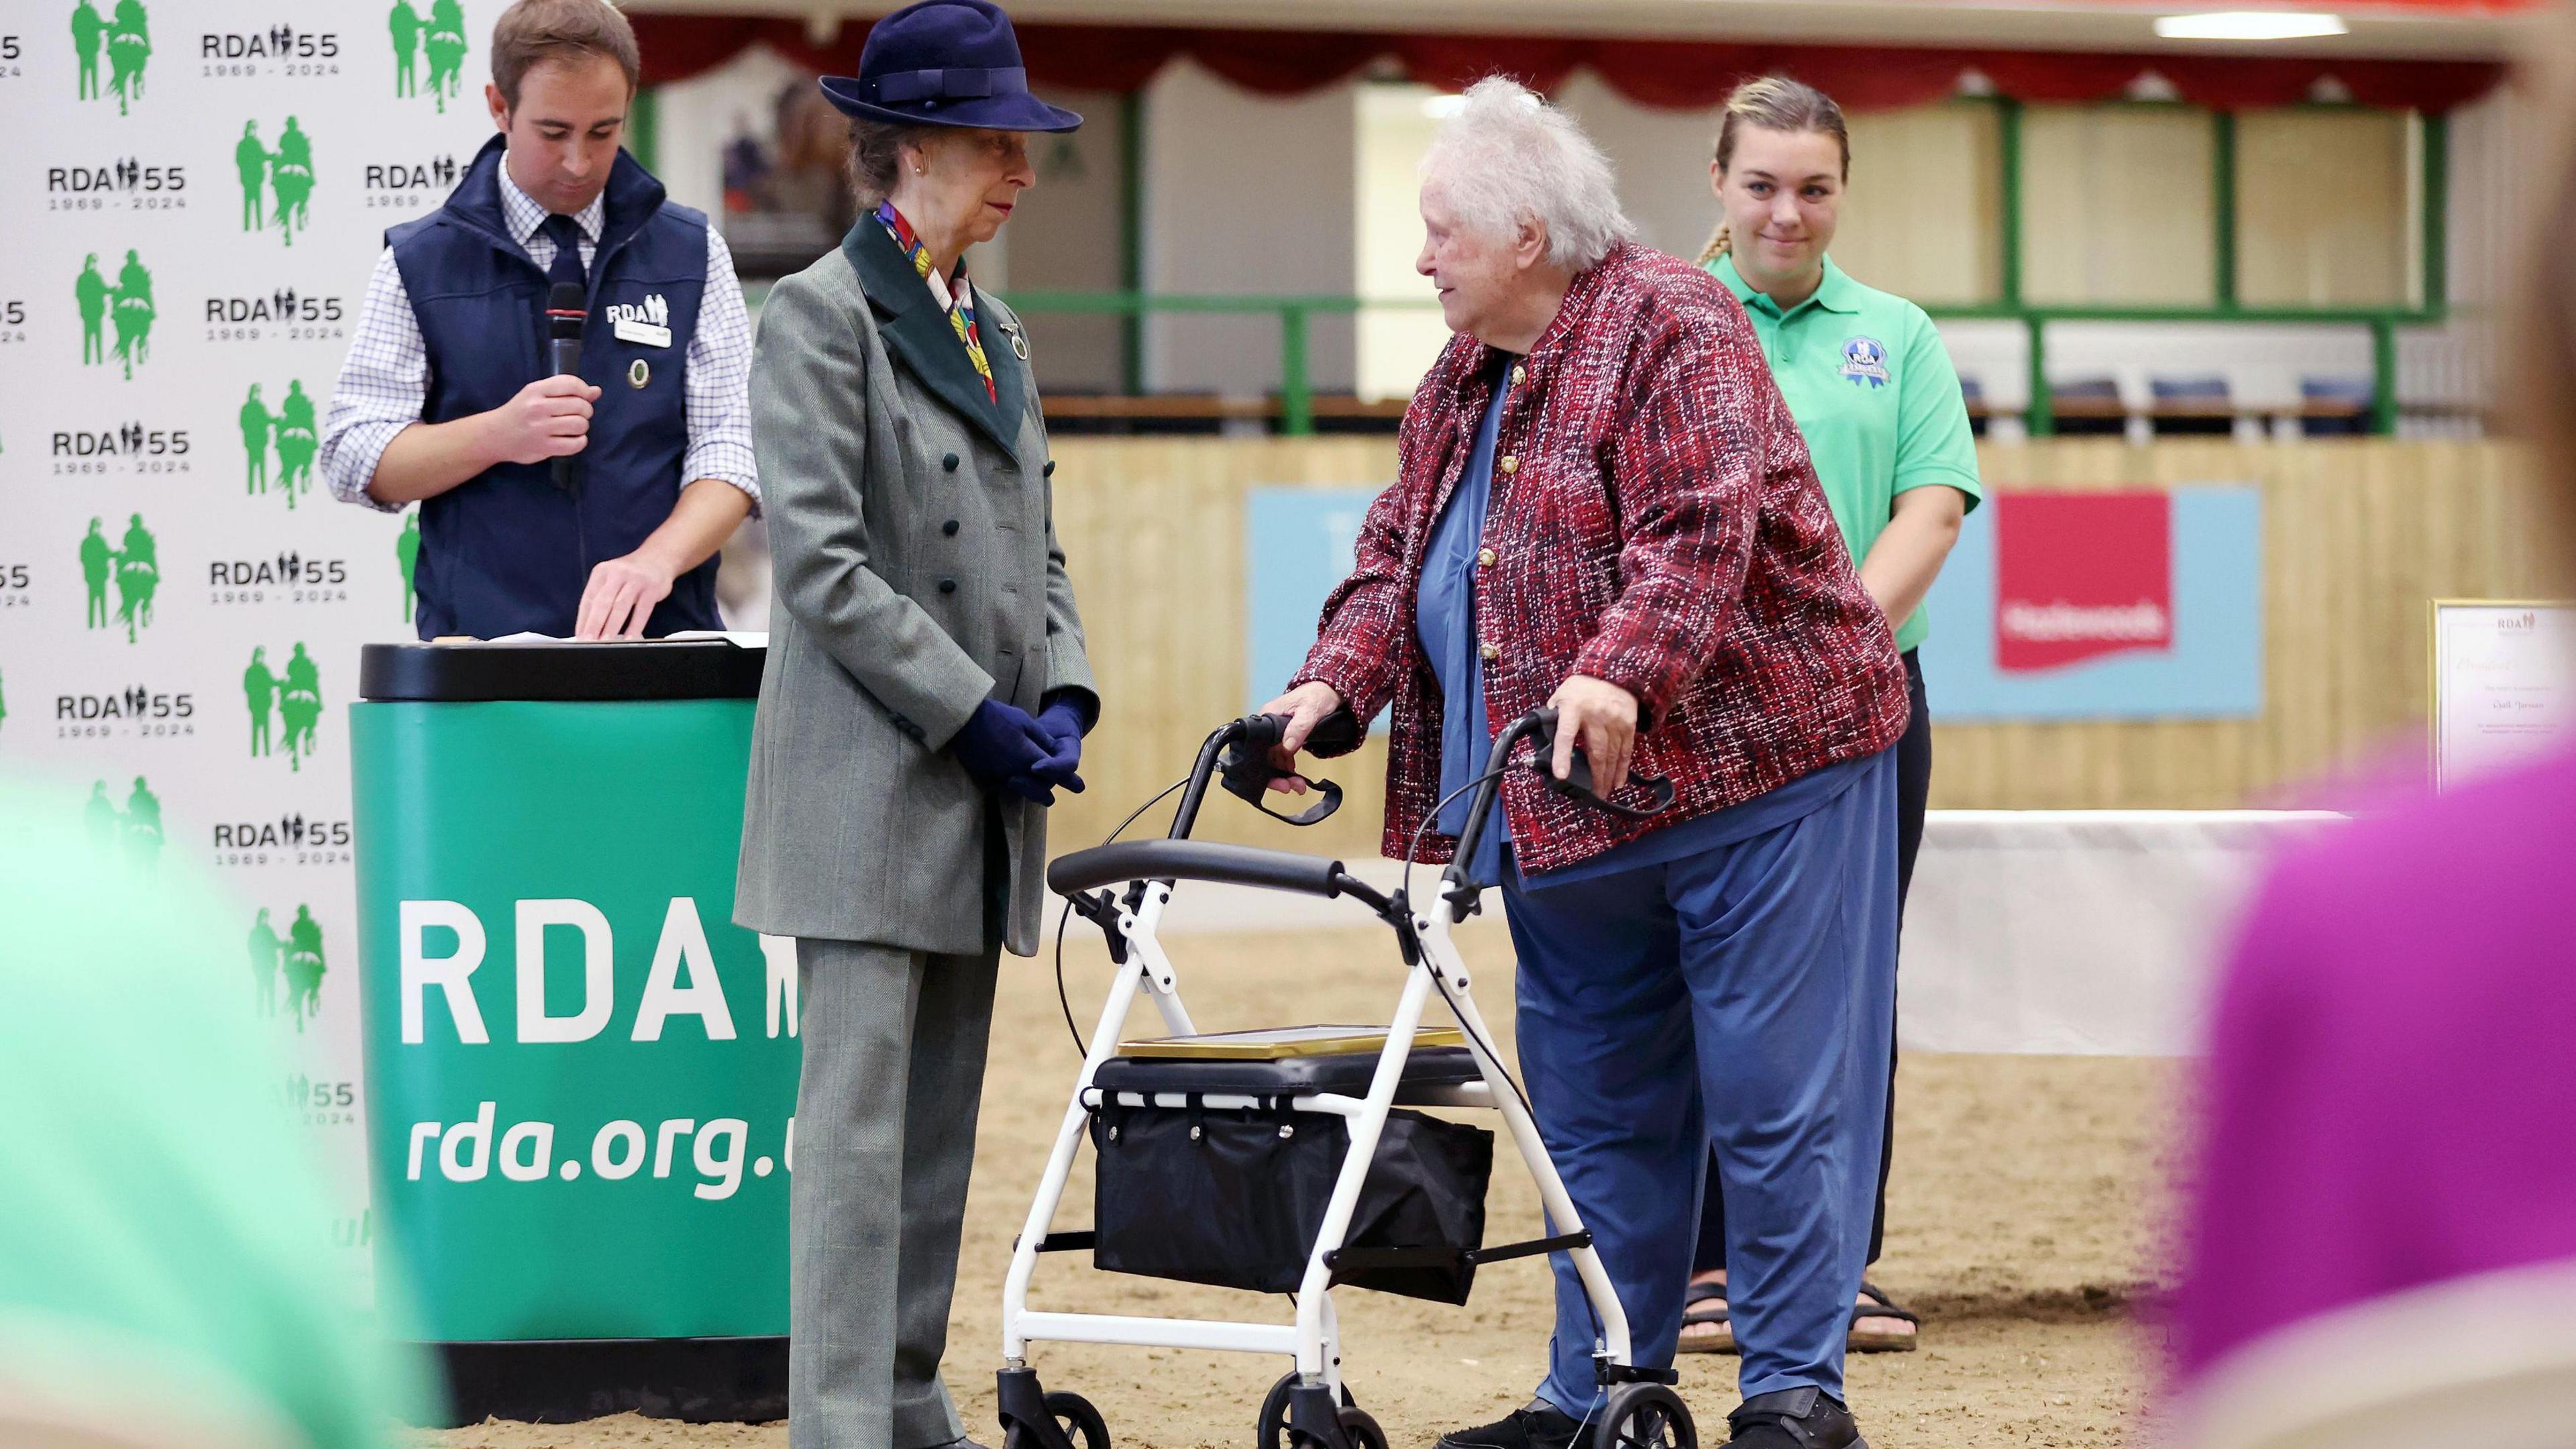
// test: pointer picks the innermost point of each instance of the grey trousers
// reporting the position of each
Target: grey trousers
(885, 1137)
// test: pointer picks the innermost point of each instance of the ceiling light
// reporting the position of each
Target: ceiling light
(2249, 25)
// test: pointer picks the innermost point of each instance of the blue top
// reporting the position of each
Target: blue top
(1444, 613)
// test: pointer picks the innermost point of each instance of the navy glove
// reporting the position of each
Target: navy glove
(1062, 722)
(1000, 742)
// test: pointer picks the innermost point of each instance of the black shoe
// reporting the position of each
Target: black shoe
(1540, 1426)
(1802, 1418)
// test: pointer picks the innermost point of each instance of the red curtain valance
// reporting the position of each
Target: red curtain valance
(1675, 74)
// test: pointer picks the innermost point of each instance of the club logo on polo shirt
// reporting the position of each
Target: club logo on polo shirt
(1865, 360)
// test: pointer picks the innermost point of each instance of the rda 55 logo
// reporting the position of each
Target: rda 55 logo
(283, 314)
(287, 578)
(15, 582)
(13, 49)
(280, 50)
(136, 712)
(293, 694)
(123, 184)
(13, 322)
(410, 185)
(127, 449)
(290, 839)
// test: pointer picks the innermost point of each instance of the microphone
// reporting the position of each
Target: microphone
(566, 310)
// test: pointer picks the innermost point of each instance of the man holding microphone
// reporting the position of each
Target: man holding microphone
(584, 504)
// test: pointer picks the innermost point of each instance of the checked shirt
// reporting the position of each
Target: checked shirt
(1655, 523)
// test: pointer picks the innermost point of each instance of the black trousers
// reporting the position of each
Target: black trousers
(1913, 789)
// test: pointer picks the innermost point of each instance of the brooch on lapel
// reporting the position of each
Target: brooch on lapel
(1018, 339)
(638, 373)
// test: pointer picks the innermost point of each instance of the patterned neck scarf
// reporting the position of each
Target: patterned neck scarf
(961, 298)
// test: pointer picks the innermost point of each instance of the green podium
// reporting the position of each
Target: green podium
(581, 1075)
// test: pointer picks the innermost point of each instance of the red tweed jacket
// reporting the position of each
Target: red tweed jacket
(1655, 522)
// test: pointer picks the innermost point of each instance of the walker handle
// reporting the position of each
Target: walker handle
(1248, 770)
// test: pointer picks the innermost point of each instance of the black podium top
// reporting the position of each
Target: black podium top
(657, 669)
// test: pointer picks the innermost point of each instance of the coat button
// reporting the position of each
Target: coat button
(1519, 376)
(947, 586)
(1050, 468)
(1484, 558)
(949, 528)
(1509, 465)
(1491, 652)
(949, 462)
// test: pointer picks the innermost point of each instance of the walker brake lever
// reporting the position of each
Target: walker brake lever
(1577, 785)
(1247, 771)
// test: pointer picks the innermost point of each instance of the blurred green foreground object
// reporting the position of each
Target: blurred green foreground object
(166, 1278)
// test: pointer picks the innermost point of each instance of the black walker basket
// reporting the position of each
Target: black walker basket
(1235, 1196)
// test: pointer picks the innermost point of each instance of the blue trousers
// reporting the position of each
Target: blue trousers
(1742, 1000)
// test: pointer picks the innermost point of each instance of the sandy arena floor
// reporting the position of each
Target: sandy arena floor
(2020, 1225)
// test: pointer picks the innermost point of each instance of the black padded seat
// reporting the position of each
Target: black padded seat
(1347, 1073)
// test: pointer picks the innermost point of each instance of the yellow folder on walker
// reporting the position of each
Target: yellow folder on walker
(1271, 1043)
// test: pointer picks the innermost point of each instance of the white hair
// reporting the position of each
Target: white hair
(1507, 157)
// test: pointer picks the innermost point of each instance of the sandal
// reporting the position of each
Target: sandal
(1706, 1303)
(1877, 1340)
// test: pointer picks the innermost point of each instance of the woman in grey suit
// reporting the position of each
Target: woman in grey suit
(926, 696)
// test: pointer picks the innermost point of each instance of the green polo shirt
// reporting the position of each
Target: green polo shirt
(1875, 397)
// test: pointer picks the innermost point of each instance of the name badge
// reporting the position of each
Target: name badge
(643, 332)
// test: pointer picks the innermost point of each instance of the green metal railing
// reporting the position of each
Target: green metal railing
(1296, 393)
(1296, 388)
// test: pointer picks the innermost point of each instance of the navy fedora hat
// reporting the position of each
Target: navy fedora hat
(945, 63)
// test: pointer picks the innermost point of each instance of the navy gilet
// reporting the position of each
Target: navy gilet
(507, 551)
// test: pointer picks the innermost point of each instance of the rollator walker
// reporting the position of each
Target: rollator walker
(1204, 1205)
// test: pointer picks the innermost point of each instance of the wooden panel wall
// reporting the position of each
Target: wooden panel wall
(2359, 534)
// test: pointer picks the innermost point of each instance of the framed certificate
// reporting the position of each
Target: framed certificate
(2504, 682)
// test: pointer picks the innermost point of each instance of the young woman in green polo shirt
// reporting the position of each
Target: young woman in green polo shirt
(1878, 403)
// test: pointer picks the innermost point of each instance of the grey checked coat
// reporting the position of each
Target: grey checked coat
(911, 524)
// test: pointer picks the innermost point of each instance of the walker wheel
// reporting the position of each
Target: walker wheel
(1273, 1431)
(1644, 1416)
(1074, 1417)
(1359, 1431)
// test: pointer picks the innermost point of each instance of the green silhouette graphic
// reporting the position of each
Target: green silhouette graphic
(259, 691)
(142, 827)
(444, 41)
(255, 426)
(87, 28)
(98, 560)
(291, 179)
(92, 291)
(100, 817)
(304, 967)
(138, 574)
(129, 45)
(136, 829)
(263, 965)
(404, 22)
(133, 313)
(407, 553)
(299, 436)
(299, 707)
(251, 159)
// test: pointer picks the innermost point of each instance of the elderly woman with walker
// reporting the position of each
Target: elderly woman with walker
(926, 694)
(1878, 403)
(1603, 505)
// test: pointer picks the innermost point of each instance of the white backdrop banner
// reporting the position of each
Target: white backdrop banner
(196, 194)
